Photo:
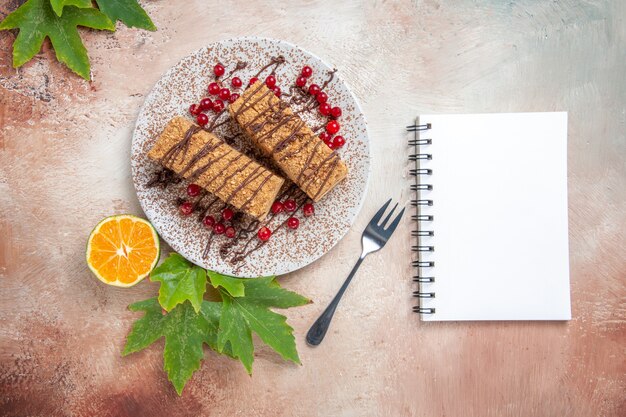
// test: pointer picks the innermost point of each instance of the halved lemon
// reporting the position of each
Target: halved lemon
(122, 250)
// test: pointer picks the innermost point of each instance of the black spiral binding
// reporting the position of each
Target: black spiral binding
(420, 264)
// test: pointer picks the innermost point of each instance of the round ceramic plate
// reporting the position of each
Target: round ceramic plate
(287, 250)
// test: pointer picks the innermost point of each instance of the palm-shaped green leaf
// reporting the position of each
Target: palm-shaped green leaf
(251, 313)
(184, 331)
(36, 20)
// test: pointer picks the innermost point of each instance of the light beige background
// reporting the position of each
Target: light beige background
(64, 149)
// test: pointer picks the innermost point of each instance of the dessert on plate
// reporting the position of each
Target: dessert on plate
(233, 191)
(281, 134)
(204, 159)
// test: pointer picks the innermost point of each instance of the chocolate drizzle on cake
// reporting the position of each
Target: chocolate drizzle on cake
(272, 119)
(198, 171)
(275, 120)
(247, 104)
(174, 152)
(165, 176)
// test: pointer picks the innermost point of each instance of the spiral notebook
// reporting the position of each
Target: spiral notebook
(491, 238)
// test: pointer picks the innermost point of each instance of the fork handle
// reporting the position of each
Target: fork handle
(318, 330)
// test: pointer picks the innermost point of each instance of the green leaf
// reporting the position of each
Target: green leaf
(184, 330)
(233, 285)
(127, 11)
(212, 312)
(180, 280)
(57, 5)
(36, 20)
(184, 334)
(235, 331)
(226, 326)
(243, 315)
(147, 329)
(267, 291)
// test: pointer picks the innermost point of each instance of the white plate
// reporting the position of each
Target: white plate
(287, 250)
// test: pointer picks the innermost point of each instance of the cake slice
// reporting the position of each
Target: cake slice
(282, 135)
(203, 158)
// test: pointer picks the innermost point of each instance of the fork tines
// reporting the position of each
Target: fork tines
(374, 223)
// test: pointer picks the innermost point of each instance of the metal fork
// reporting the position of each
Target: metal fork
(374, 238)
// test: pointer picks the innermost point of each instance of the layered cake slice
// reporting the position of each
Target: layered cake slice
(204, 159)
(281, 134)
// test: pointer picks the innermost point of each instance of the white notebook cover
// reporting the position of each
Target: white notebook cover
(500, 217)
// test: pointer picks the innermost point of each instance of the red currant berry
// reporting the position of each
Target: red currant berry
(335, 112)
(219, 228)
(308, 210)
(330, 144)
(332, 127)
(218, 106)
(321, 97)
(301, 81)
(236, 82)
(277, 91)
(314, 89)
(218, 70)
(202, 119)
(253, 80)
(227, 214)
(270, 81)
(307, 71)
(233, 97)
(214, 89)
(277, 207)
(290, 205)
(208, 221)
(264, 234)
(186, 208)
(325, 137)
(293, 223)
(194, 109)
(324, 108)
(230, 232)
(193, 190)
(206, 104)
(338, 142)
(224, 94)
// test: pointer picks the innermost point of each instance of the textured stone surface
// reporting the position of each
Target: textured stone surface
(64, 152)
